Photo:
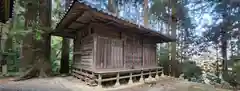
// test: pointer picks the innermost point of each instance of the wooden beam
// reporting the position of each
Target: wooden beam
(65, 34)
(84, 23)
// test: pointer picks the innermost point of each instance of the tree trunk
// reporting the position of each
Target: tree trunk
(217, 69)
(224, 40)
(41, 66)
(224, 52)
(112, 6)
(145, 13)
(238, 46)
(44, 45)
(65, 56)
(173, 34)
(1, 33)
(27, 53)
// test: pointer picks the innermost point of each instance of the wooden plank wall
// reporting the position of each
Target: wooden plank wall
(149, 52)
(133, 52)
(109, 53)
(83, 53)
(120, 50)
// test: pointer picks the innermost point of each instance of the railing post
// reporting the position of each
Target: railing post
(99, 81)
(141, 77)
(150, 75)
(162, 73)
(130, 79)
(117, 81)
(156, 76)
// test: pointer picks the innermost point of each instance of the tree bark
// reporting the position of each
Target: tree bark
(145, 13)
(224, 52)
(224, 40)
(27, 54)
(41, 66)
(44, 45)
(112, 6)
(174, 62)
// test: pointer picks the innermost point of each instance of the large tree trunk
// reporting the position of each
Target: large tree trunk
(145, 13)
(217, 69)
(41, 66)
(44, 45)
(174, 62)
(112, 6)
(27, 53)
(224, 52)
(238, 46)
(224, 40)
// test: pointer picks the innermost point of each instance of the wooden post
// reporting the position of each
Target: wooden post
(162, 73)
(95, 51)
(99, 81)
(156, 76)
(130, 79)
(141, 77)
(4, 64)
(117, 81)
(150, 75)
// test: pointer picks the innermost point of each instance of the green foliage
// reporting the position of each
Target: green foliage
(191, 70)
(213, 78)
(236, 71)
(56, 43)
(163, 55)
(38, 35)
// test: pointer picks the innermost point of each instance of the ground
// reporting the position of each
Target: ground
(70, 84)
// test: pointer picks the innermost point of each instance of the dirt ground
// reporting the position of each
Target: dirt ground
(169, 84)
(71, 84)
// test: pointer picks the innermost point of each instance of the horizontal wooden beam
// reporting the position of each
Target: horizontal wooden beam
(64, 34)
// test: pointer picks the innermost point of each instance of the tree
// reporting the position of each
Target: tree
(40, 65)
(27, 53)
(226, 19)
(162, 8)
(145, 10)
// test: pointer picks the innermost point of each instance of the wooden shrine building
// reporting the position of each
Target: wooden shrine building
(107, 47)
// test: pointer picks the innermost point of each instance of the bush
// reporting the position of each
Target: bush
(191, 71)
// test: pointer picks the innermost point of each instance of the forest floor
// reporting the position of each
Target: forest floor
(71, 84)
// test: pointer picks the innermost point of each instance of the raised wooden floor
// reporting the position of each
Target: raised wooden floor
(101, 76)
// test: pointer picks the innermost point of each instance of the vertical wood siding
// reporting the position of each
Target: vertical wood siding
(149, 57)
(133, 53)
(109, 53)
(109, 49)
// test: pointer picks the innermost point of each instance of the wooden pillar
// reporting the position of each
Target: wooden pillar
(162, 73)
(99, 81)
(150, 75)
(3, 61)
(141, 77)
(156, 76)
(130, 79)
(64, 68)
(117, 81)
